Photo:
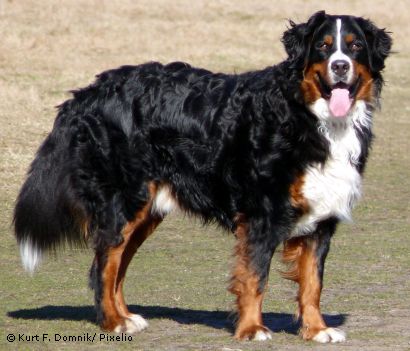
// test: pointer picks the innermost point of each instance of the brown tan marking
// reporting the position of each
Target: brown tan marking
(112, 317)
(81, 220)
(349, 38)
(139, 230)
(299, 253)
(245, 285)
(118, 258)
(366, 88)
(310, 84)
(296, 195)
(328, 40)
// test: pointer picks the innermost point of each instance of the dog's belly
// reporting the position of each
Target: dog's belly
(331, 191)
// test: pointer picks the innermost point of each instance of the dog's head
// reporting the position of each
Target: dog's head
(341, 58)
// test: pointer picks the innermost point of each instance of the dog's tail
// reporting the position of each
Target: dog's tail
(46, 214)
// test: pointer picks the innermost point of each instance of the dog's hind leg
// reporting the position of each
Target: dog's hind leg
(109, 268)
(139, 230)
(248, 282)
(307, 256)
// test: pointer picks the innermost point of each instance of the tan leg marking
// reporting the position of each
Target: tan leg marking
(300, 253)
(245, 285)
(139, 231)
(116, 315)
(112, 317)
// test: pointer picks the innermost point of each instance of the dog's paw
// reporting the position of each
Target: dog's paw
(138, 321)
(258, 332)
(132, 325)
(332, 335)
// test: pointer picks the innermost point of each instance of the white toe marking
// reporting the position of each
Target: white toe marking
(133, 324)
(118, 329)
(139, 322)
(322, 337)
(130, 327)
(330, 335)
(262, 335)
(336, 335)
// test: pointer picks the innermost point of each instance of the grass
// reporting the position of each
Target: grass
(178, 280)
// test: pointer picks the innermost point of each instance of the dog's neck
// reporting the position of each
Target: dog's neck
(342, 133)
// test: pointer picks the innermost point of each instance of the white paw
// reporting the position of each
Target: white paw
(139, 322)
(133, 324)
(262, 335)
(332, 335)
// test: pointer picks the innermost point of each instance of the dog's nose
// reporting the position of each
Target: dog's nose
(340, 67)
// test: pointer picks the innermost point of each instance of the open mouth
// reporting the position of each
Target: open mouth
(340, 95)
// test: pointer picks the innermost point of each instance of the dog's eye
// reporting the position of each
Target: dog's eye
(323, 47)
(356, 46)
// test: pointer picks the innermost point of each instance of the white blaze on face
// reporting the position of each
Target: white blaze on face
(340, 102)
(339, 55)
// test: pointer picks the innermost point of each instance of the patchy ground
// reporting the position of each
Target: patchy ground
(178, 281)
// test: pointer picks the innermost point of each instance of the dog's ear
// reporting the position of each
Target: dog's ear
(296, 38)
(379, 43)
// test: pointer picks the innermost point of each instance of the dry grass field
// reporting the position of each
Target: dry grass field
(178, 281)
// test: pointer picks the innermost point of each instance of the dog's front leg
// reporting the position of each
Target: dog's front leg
(253, 257)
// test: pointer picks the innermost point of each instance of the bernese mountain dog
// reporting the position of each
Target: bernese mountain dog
(274, 155)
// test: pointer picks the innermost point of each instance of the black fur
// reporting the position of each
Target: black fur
(228, 144)
(379, 42)
(297, 39)
(96, 283)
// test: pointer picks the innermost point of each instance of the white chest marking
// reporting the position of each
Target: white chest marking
(333, 188)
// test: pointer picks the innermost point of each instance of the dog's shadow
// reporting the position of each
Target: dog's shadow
(277, 322)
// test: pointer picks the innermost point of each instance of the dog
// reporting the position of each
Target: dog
(275, 156)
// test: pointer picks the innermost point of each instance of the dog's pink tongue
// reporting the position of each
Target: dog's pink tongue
(340, 102)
